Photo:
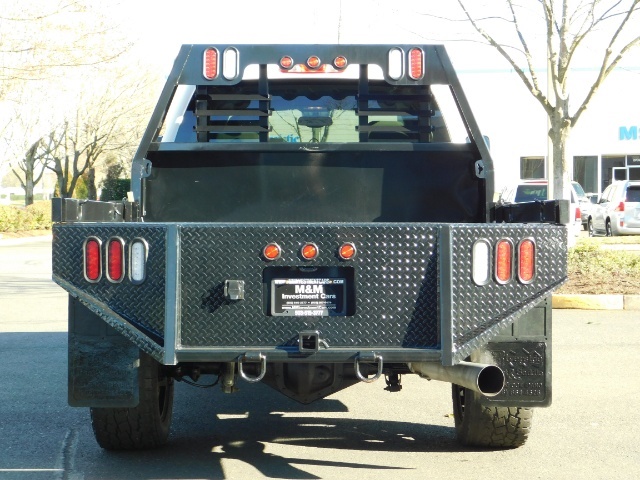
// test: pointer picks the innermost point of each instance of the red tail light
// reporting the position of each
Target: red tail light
(578, 213)
(416, 63)
(526, 260)
(115, 260)
(620, 207)
(92, 260)
(504, 256)
(210, 64)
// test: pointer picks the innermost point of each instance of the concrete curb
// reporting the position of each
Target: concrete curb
(597, 302)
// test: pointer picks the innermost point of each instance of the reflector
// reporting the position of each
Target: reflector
(504, 254)
(115, 260)
(210, 64)
(92, 260)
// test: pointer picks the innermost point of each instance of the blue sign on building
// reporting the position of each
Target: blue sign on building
(628, 133)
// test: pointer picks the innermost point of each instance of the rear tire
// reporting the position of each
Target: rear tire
(491, 427)
(607, 228)
(144, 426)
(590, 228)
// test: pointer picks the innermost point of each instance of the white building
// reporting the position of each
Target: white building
(605, 144)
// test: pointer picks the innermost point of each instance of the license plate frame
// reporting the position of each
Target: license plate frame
(309, 297)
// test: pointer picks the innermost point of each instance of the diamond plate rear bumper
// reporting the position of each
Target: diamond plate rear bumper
(415, 300)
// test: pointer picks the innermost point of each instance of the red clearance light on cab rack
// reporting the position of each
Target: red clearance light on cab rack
(210, 64)
(115, 260)
(92, 259)
(416, 63)
(309, 251)
(526, 260)
(504, 262)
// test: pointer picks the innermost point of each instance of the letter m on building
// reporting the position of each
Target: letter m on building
(630, 133)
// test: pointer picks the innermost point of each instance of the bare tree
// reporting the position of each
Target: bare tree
(105, 122)
(43, 39)
(567, 27)
(30, 169)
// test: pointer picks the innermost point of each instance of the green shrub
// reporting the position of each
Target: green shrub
(18, 219)
(115, 189)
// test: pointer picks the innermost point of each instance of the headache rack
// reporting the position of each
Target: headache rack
(248, 107)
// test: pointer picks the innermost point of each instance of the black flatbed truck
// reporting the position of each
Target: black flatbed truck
(299, 215)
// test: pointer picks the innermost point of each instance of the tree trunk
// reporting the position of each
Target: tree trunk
(562, 163)
(92, 191)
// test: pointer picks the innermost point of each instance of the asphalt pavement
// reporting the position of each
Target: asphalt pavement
(589, 432)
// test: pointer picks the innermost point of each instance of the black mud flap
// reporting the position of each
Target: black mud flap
(523, 352)
(103, 365)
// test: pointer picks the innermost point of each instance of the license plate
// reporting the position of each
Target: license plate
(308, 297)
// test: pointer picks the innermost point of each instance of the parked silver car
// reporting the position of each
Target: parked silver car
(618, 210)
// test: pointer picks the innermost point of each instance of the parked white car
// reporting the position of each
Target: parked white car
(618, 210)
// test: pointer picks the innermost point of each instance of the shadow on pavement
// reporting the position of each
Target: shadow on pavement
(40, 432)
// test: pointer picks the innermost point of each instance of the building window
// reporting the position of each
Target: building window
(532, 167)
(585, 172)
(609, 162)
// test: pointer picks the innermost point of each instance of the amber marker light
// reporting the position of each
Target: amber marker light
(314, 62)
(309, 251)
(340, 62)
(526, 261)
(272, 251)
(347, 251)
(504, 255)
(286, 62)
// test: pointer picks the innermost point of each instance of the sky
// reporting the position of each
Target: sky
(157, 28)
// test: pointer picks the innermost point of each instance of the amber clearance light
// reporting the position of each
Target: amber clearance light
(272, 251)
(347, 251)
(309, 251)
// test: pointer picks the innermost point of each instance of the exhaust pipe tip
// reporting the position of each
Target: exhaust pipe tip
(491, 381)
(488, 380)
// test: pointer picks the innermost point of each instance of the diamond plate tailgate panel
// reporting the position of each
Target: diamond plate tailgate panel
(412, 283)
(395, 282)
